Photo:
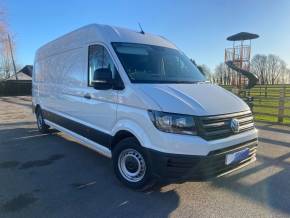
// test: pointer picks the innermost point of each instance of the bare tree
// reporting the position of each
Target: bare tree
(206, 71)
(6, 49)
(259, 67)
(284, 77)
(221, 74)
(270, 69)
(275, 67)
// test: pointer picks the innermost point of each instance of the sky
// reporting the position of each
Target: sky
(198, 27)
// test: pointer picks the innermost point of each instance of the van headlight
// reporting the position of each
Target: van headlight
(173, 123)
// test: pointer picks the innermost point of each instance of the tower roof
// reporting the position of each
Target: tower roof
(242, 36)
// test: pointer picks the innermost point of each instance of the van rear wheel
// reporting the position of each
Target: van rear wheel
(131, 164)
(42, 127)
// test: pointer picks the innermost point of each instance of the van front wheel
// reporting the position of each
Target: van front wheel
(131, 164)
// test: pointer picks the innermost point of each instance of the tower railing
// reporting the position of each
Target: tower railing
(238, 53)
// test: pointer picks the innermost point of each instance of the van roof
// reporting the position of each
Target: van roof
(99, 33)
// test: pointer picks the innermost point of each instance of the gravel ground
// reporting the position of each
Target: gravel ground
(54, 176)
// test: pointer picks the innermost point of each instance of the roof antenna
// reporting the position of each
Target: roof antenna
(141, 30)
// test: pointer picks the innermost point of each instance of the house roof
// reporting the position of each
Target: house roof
(27, 70)
(24, 74)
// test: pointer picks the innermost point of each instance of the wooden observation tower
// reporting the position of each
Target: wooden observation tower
(238, 59)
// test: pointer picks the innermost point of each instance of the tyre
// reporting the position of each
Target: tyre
(42, 127)
(131, 164)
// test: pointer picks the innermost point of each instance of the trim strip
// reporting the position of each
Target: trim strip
(86, 142)
(90, 133)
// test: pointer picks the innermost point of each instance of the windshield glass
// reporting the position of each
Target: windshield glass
(155, 64)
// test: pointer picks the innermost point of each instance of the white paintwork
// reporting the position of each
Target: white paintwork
(60, 81)
(200, 99)
(137, 121)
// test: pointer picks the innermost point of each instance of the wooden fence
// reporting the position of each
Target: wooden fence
(271, 102)
(15, 87)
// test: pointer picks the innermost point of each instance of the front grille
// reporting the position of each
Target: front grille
(218, 127)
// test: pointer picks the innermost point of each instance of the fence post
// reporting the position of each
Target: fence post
(260, 95)
(281, 104)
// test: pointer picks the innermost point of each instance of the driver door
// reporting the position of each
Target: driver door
(99, 106)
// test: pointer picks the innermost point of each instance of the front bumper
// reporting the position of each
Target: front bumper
(199, 167)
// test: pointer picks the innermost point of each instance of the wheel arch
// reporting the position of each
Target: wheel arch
(119, 136)
(126, 129)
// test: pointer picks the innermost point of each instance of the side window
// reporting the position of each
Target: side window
(99, 58)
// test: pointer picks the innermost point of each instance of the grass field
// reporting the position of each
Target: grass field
(267, 101)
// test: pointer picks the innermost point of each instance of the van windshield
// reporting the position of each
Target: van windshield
(155, 64)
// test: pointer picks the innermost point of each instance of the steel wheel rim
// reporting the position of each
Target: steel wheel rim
(134, 175)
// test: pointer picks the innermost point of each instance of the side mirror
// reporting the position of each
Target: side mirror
(102, 79)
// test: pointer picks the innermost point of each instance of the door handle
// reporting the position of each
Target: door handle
(87, 96)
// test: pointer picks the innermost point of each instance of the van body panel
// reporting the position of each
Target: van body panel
(60, 79)
(202, 99)
(72, 104)
(98, 33)
(136, 98)
(137, 121)
(100, 110)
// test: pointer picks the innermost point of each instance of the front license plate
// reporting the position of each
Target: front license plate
(237, 156)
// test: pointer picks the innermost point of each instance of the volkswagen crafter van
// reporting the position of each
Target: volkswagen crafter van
(136, 98)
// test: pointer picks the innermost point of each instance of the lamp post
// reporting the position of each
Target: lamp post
(11, 52)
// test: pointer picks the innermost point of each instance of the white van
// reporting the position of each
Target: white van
(136, 98)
